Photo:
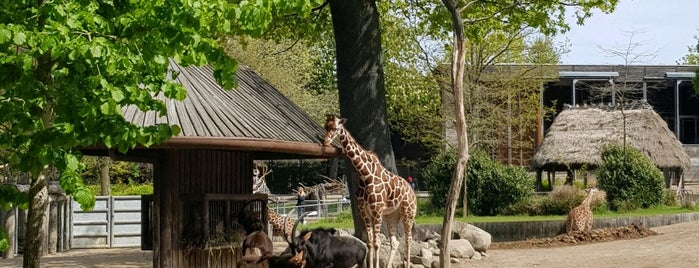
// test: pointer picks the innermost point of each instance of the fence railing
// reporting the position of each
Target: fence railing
(316, 208)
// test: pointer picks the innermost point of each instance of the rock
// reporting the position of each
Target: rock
(480, 240)
(426, 253)
(384, 250)
(454, 260)
(423, 234)
(461, 248)
(421, 260)
(476, 256)
(435, 263)
(418, 247)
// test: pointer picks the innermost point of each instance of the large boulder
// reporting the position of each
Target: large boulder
(424, 234)
(460, 248)
(480, 239)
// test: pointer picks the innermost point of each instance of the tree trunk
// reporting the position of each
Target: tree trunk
(36, 219)
(457, 77)
(105, 164)
(360, 82)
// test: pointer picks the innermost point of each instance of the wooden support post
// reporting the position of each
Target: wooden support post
(538, 184)
(53, 226)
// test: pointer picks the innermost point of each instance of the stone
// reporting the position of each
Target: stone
(426, 253)
(480, 239)
(424, 234)
(454, 260)
(421, 260)
(461, 248)
(476, 256)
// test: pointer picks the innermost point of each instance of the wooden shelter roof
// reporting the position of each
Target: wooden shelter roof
(255, 116)
(578, 135)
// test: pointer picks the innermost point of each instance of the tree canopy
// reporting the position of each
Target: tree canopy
(68, 67)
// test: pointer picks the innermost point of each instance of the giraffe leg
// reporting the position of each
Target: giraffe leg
(392, 221)
(408, 232)
(376, 229)
(369, 260)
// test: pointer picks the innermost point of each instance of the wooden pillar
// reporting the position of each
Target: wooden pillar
(53, 225)
(538, 184)
(162, 209)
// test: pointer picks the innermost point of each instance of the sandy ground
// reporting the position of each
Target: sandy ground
(674, 246)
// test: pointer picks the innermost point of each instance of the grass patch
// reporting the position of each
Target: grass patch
(345, 220)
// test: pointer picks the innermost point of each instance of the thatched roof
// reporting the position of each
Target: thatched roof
(578, 134)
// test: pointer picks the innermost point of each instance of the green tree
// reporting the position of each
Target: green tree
(471, 20)
(68, 67)
(290, 66)
(692, 56)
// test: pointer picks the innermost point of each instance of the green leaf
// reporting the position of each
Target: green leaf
(159, 59)
(117, 94)
(72, 162)
(96, 51)
(4, 239)
(5, 36)
(20, 38)
(104, 108)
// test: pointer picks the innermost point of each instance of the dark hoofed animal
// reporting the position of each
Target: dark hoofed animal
(257, 249)
(324, 249)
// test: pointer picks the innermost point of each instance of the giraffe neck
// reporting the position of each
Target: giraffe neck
(588, 199)
(357, 154)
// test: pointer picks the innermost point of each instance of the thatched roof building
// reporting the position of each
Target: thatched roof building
(578, 134)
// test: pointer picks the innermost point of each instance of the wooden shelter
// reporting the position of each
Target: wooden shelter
(204, 175)
(578, 134)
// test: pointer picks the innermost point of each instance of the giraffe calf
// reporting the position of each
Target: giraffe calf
(580, 217)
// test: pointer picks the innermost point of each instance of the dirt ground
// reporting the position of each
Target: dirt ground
(673, 246)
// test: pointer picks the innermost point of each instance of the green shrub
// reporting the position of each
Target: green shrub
(670, 198)
(492, 187)
(558, 202)
(119, 171)
(562, 199)
(630, 179)
(437, 177)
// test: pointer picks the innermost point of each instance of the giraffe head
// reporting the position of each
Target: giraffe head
(333, 125)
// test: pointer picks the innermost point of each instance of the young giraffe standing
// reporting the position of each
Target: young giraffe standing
(580, 218)
(381, 195)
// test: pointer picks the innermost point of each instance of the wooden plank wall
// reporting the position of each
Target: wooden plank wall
(190, 171)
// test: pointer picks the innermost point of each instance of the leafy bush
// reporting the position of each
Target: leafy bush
(558, 202)
(437, 177)
(629, 178)
(119, 171)
(670, 198)
(125, 189)
(492, 187)
(562, 199)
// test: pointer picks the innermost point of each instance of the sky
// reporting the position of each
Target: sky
(665, 26)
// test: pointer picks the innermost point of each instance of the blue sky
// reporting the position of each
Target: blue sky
(665, 26)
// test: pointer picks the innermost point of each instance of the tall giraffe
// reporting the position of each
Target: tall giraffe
(580, 218)
(381, 195)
